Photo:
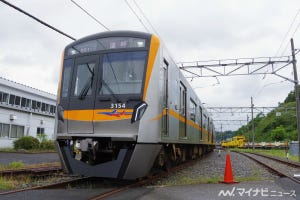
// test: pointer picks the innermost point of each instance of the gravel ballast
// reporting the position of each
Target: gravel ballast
(210, 169)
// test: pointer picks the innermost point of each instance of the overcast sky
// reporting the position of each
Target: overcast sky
(192, 30)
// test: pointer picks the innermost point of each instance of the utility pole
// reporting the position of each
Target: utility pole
(296, 93)
(248, 135)
(221, 133)
(252, 105)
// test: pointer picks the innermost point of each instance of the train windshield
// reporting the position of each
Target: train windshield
(123, 73)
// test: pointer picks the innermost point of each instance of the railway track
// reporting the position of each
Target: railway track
(110, 192)
(278, 166)
(145, 181)
(49, 186)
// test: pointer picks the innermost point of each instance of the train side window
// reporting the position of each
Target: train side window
(192, 110)
(182, 110)
(66, 78)
(201, 123)
(84, 78)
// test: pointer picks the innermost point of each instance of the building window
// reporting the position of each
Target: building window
(3, 97)
(4, 130)
(18, 101)
(28, 104)
(38, 105)
(47, 107)
(33, 104)
(40, 131)
(12, 99)
(17, 131)
(52, 109)
(23, 102)
(43, 107)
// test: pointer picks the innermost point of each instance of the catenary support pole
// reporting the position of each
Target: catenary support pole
(252, 105)
(296, 93)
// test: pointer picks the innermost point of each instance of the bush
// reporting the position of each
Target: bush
(26, 142)
(47, 145)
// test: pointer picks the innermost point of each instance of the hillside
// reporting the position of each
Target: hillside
(278, 125)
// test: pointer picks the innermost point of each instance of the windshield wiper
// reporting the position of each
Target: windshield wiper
(88, 84)
(110, 91)
(85, 89)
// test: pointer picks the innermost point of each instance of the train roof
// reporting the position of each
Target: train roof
(136, 34)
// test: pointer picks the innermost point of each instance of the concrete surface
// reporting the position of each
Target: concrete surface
(6, 158)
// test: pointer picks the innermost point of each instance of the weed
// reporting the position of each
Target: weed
(16, 164)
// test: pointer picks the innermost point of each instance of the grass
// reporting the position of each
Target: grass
(183, 180)
(10, 183)
(21, 165)
(281, 153)
(12, 150)
(16, 164)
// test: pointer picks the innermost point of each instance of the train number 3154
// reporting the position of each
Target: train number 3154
(117, 105)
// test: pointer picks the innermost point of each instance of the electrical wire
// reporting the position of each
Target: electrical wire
(137, 16)
(142, 12)
(259, 89)
(94, 18)
(286, 34)
(36, 19)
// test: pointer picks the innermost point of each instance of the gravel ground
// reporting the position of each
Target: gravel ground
(283, 168)
(211, 170)
(6, 158)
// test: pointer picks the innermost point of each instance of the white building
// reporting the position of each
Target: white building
(24, 111)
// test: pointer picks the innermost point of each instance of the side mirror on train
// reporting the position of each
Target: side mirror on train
(138, 111)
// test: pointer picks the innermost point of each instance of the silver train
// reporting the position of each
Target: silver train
(124, 108)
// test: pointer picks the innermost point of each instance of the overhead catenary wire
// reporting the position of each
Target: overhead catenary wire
(286, 34)
(37, 19)
(94, 18)
(140, 20)
(144, 15)
(259, 89)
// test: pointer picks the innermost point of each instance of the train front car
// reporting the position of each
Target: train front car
(104, 107)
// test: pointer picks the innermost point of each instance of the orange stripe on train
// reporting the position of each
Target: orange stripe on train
(98, 114)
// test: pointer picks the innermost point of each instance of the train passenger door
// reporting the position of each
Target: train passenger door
(82, 98)
(182, 111)
(165, 118)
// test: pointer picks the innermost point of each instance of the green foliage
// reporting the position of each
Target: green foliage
(272, 127)
(290, 98)
(31, 143)
(16, 164)
(47, 145)
(42, 137)
(26, 142)
(278, 134)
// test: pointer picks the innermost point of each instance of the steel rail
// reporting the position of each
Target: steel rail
(287, 162)
(269, 167)
(147, 180)
(49, 186)
(32, 171)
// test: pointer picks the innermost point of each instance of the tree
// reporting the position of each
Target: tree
(278, 134)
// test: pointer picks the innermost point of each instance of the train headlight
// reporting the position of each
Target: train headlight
(138, 111)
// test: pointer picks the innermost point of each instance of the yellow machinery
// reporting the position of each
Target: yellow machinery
(237, 141)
